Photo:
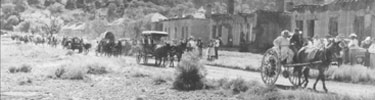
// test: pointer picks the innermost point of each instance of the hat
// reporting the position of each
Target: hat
(368, 38)
(285, 32)
(352, 35)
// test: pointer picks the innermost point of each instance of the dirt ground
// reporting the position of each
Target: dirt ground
(125, 79)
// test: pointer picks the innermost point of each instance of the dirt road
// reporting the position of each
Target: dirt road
(335, 87)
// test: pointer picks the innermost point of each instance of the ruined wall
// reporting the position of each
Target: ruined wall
(232, 28)
(180, 29)
(346, 22)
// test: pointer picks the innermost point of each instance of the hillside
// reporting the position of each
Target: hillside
(50, 16)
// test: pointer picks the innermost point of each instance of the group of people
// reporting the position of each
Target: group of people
(212, 47)
(283, 43)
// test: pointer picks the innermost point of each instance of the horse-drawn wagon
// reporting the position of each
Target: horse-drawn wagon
(271, 68)
(153, 46)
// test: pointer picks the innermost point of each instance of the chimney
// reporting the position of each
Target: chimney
(230, 6)
(209, 10)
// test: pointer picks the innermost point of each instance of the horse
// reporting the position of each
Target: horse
(161, 53)
(178, 51)
(87, 47)
(297, 42)
(326, 55)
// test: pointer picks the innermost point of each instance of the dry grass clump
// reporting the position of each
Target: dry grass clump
(354, 74)
(160, 79)
(97, 69)
(190, 73)
(140, 74)
(25, 68)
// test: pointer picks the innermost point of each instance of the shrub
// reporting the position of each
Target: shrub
(237, 85)
(139, 74)
(13, 69)
(71, 71)
(96, 69)
(190, 73)
(353, 74)
(159, 80)
(59, 72)
(25, 68)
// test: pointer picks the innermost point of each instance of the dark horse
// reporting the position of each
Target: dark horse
(325, 55)
(178, 50)
(161, 53)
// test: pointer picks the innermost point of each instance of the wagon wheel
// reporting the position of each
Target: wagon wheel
(270, 67)
(293, 76)
(138, 57)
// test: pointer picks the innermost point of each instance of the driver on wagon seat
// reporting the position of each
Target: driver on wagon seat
(281, 44)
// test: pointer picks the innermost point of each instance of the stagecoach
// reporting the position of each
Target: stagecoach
(147, 45)
(357, 56)
(271, 68)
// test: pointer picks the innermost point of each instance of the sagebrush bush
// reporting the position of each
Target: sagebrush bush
(59, 72)
(354, 74)
(159, 80)
(190, 73)
(25, 68)
(13, 69)
(96, 69)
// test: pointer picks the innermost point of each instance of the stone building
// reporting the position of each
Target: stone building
(340, 17)
(183, 28)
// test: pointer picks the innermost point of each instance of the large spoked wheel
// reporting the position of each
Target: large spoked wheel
(270, 68)
(138, 57)
(294, 76)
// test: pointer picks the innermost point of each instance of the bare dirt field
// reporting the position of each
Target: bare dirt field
(41, 72)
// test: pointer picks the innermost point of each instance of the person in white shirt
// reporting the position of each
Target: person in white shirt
(353, 42)
(217, 45)
(371, 50)
(282, 44)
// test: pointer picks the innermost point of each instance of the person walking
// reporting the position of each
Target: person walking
(371, 50)
(217, 45)
(366, 43)
(200, 46)
(211, 50)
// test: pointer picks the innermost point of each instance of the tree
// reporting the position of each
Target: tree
(52, 26)
(111, 12)
(33, 2)
(23, 26)
(8, 9)
(56, 8)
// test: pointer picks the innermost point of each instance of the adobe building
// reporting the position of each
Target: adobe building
(340, 17)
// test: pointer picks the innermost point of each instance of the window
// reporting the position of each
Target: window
(299, 24)
(183, 33)
(175, 32)
(310, 28)
(187, 31)
(213, 31)
(333, 26)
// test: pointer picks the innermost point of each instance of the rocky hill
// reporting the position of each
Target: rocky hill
(49, 16)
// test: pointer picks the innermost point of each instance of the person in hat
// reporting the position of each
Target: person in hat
(200, 46)
(371, 50)
(353, 42)
(366, 43)
(282, 44)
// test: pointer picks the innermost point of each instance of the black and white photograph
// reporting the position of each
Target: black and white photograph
(187, 49)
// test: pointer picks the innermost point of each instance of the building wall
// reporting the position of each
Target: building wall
(180, 29)
(231, 27)
(346, 21)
